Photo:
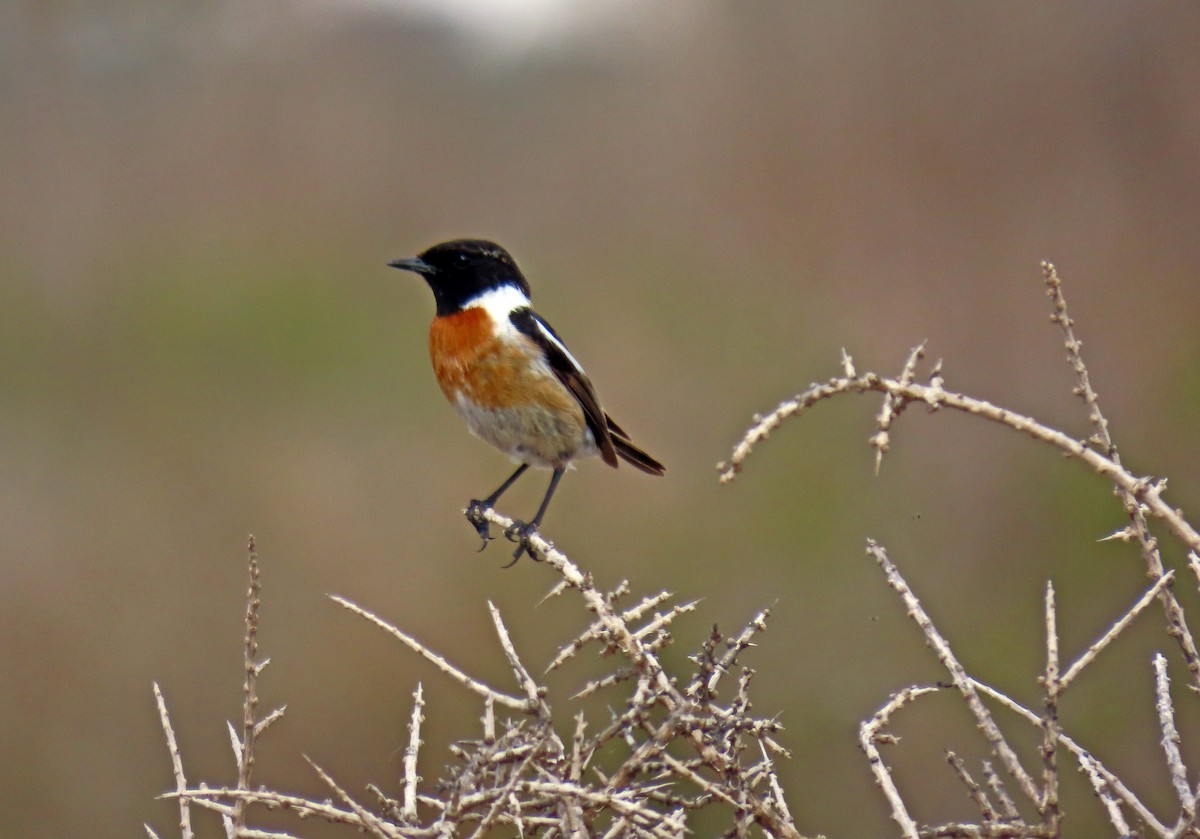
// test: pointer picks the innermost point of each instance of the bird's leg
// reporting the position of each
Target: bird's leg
(520, 531)
(477, 508)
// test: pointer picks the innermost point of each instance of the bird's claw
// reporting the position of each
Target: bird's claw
(521, 532)
(477, 516)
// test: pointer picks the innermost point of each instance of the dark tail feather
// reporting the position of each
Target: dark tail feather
(634, 456)
(630, 453)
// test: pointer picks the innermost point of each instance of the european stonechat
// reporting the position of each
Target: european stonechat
(510, 376)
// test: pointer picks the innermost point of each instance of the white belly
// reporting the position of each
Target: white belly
(530, 434)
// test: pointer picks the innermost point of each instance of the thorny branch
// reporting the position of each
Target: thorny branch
(1147, 491)
(1142, 499)
(870, 735)
(521, 776)
(185, 812)
(1137, 530)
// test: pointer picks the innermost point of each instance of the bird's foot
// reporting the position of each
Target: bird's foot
(477, 515)
(521, 532)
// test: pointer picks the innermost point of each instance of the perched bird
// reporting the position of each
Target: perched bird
(510, 376)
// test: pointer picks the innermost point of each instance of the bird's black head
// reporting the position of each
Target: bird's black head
(463, 269)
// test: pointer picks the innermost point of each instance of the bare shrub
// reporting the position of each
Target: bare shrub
(680, 749)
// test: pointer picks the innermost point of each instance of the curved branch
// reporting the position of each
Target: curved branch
(1144, 490)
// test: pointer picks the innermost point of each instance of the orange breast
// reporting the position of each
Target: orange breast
(469, 359)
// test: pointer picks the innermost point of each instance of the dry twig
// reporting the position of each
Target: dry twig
(983, 717)
(1142, 499)
(520, 776)
(869, 735)
(1048, 805)
(185, 813)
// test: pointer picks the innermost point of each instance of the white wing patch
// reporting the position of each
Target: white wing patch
(549, 336)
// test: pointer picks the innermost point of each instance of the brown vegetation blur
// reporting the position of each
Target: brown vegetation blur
(199, 340)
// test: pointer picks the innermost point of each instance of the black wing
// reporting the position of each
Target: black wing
(571, 375)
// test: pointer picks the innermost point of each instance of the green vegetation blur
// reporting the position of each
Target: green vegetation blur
(199, 340)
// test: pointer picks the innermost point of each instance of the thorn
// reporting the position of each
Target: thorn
(848, 364)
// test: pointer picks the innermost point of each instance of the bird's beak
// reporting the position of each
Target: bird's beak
(419, 266)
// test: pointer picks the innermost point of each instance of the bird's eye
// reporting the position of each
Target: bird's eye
(462, 258)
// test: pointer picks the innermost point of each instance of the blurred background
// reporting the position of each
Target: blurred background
(199, 340)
